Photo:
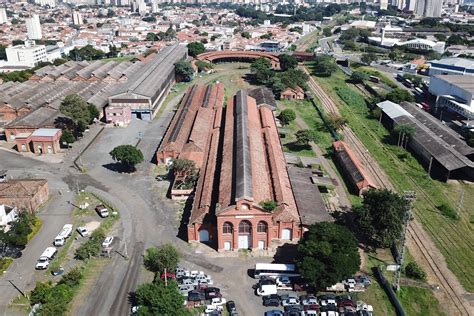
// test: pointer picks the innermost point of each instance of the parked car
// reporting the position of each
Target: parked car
(195, 296)
(290, 301)
(169, 275)
(212, 292)
(283, 281)
(231, 307)
(212, 308)
(218, 301)
(46, 256)
(184, 289)
(364, 280)
(107, 241)
(65, 232)
(274, 312)
(271, 300)
(83, 231)
(309, 300)
(294, 310)
(187, 282)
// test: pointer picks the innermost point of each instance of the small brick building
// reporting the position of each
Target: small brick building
(292, 94)
(25, 194)
(41, 141)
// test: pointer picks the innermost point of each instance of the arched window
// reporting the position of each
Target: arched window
(227, 228)
(262, 227)
(245, 227)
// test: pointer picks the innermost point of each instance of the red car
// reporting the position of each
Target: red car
(169, 275)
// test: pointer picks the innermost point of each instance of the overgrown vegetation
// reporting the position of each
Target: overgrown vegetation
(414, 271)
(20, 232)
(91, 248)
(268, 205)
(448, 211)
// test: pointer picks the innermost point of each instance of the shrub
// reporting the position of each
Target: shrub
(268, 205)
(448, 211)
(72, 278)
(414, 271)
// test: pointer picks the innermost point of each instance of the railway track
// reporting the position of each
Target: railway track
(382, 180)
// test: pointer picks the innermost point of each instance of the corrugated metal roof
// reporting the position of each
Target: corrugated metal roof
(393, 110)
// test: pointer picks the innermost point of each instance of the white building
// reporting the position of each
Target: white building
(43, 3)
(454, 92)
(383, 4)
(421, 43)
(33, 28)
(8, 214)
(452, 66)
(28, 55)
(77, 18)
(3, 16)
(428, 8)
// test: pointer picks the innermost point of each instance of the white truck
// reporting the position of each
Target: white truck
(46, 256)
(63, 235)
(102, 210)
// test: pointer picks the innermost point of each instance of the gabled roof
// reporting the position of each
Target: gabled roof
(21, 188)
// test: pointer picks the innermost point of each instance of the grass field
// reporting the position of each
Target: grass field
(418, 301)
(453, 238)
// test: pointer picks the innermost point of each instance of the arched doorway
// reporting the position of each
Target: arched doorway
(203, 235)
(245, 235)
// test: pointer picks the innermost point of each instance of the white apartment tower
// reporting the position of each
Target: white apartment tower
(428, 8)
(33, 28)
(3, 16)
(77, 18)
(383, 4)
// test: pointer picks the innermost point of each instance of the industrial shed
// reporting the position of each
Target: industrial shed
(441, 152)
(146, 89)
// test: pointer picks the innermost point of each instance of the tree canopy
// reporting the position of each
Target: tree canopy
(158, 299)
(128, 155)
(381, 216)
(262, 71)
(324, 65)
(304, 136)
(184, 70)
(399, 95)
(76, 108)
(196, 48)
(359, 77)
(161, 258)
(368, 58)
(287, 62)
(287, 116)
(327, 254)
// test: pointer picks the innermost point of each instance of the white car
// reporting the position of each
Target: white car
(218, 301)
(188, 282)
(107, 241)
(83, 231)
(212, 308)
(42, 263)
(291, 301)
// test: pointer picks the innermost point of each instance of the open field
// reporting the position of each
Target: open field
(455, 239)
(418, 301)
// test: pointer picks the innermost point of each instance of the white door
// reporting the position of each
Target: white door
(244, 242)
(203, 235)
(226, 245)
(286, 234)
(261, 244)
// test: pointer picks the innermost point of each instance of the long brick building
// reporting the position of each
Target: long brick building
(241, 164)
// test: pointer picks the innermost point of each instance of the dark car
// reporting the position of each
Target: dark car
(274, 313)
(231, 307)
(271, 300)
(294, 310)
(212, 292)
(195, 296)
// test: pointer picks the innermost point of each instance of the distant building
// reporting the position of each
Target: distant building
(3, 16)
(28, 54)
(452, 66)
(383, 5)
(33, 28)
(454, 93)
(77, 18)
(424, 44)
(41, 141)
(25, 194)
(428, 8)
(292, 94)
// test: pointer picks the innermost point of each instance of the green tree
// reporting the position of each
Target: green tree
(203, 66)
(324, 65)
(350, 45)
(67, 137)
(287, 62)
(158, 299)
(294, 78)
(399, 95)
(151, 37)
(287, 116)
(196, 48)
(368, 58)
(327, 254)
(414, 271)
(381, 216)
(40, 293)
(184, 71)
(3, 54)
(268, 205)
(127, 155)
(262, 71)
(336, 121)
(327, 31)
(359, 77)
(405, 133)
(303, 137)
(72, 278)
(245, 35)
(94, 113)
(76, 108)
(161, 258)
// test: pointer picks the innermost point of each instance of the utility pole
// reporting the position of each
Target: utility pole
(409, 196)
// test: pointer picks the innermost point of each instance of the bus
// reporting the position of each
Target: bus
(275, 270)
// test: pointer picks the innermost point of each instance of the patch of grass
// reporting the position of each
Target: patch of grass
(35, 229)
(373, 72)
(453, 238)
(448, 211)
(418, 301)
(5, 263)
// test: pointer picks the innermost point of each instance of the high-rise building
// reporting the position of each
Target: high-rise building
(29, 54)
(33, 28)
(411, 5)
(3, 16)
(77, 18)
(383, 4)
(428, 8)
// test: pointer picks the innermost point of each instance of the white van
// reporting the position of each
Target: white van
(46, 256)
(267, 289)
(63, 235)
